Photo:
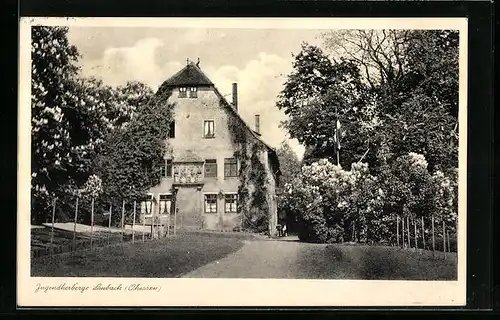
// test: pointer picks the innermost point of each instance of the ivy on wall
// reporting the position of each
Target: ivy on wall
(252, 204)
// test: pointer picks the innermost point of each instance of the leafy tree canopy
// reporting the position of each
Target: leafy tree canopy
(393, 91)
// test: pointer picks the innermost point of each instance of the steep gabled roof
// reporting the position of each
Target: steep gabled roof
(271, 150)
(190, 75)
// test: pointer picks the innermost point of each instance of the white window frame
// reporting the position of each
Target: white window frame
(233, 193)
(185, 90)
(152, 205)
(203, 129)
(159, 202)
(192, 89)
(216, 202)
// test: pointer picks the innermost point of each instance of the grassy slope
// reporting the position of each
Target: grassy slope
(165, 258)
(376, 263)
(175, 256)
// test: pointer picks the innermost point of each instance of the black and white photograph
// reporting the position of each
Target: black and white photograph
(218, 154)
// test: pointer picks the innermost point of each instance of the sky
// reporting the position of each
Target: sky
(257, 59)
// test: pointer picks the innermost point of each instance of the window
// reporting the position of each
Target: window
(231, 203)
(210, 203)
(182, 92)
(211, 168)
(168, 168)
(208, 129)
(171, 130)
(147, 205)
(165, 204)
(193, 92)
(230, 167)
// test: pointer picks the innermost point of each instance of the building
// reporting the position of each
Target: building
(218, 174)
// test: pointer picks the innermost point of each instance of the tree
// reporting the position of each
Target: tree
(315, 93)
(72, 117)
(289, 163)
(405, 68)
(394, 91)
(129, 162)
(379, 53)
(290, 167)
(63, 113)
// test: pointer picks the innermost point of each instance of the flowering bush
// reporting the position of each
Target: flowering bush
(336, 205)
(327, 201)
(93, 187)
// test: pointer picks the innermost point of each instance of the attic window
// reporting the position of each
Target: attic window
(182, 92)
(208, 129)
(193, 92)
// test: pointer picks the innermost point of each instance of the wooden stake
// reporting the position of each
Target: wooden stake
(433, 239)
(143, 225)
(123, 217)
(403, 231)
(109, 221)
(133, 223)
(423, 233)
(353, 231)
(74, 226)
(448, 237)
(53, 218)
(415, 227)
(92, 224)
(397, 230)
(175, 220)
(444, 239)
(408, 229)
(169, 216)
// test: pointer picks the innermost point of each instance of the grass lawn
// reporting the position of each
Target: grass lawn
(164, 258)
(377, 263)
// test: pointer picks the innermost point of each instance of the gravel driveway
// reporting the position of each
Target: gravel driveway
(284, 259)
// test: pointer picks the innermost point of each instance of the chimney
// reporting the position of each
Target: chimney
(257, 123)
(235, 95)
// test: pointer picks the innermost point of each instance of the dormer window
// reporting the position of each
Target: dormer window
(193, 92)
(182, 92)
(185, 92)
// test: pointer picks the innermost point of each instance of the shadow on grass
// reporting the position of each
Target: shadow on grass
(376, 263)
(165, 258)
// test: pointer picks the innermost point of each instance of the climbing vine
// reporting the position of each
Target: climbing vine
(252, 202)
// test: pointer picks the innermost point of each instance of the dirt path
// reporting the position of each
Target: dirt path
(281, 259)
(264, 259)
